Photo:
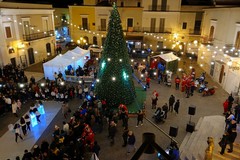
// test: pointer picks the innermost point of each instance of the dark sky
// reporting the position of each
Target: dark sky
(65, 3)
(56, 3)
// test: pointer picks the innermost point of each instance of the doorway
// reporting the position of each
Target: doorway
(31, 56)
(48, 49)
(13, 62)
(221, 74)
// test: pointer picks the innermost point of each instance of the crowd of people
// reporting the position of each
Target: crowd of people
(231, 109)
(12, 94)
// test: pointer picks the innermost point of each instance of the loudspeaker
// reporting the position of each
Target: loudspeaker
(190, 127)
(191, 110)
(173, 131)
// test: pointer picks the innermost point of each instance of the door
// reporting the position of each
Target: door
(23, 60)
(48, 49)
(13, 62)
(154, 5)
(85, 23)
(164, 5)
(162, 25)
(221, 74)
(153, 24)
(130, 24)
(103, 40)
(211, 33)
(31, 56)
(95, 40)
(159, 45)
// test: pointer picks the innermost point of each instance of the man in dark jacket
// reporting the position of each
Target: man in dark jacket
(171, 102)
(165, 109)
(112, 131)
(231, 138)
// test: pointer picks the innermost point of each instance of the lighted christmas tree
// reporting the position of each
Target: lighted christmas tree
(114, 81)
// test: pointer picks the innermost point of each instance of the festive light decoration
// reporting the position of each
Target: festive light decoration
(115, 83)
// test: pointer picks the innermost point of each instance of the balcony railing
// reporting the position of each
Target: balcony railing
(158, 8)
(157, 30)
(38, 35)
(194, 31)
(83, 27)
(100, 28)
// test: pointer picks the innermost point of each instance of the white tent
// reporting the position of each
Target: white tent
(168, 57)
(61, 62)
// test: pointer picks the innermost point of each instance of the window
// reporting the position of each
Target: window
(184, 25)
(26, 28)
(8, 32)
(164, 5)
(85, 23)
(122, 4)
(139, 4)
(162, 25)
(129, 22)
(103, 24)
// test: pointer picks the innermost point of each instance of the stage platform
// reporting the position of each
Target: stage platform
(9, 149)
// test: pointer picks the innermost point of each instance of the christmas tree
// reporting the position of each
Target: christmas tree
(114, 81)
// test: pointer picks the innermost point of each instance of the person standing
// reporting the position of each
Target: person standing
(17, 132)
(171, 102)
(176, 106)
(112, 131)
(223, 143)
(23, 125)
(177, 82)
(14, 108)
(28, 121)
(231, 138)
(139, 118)
(131, 142)
(154, 99)
(165, 109)
(148, 82)
(125, 136)
(96, 148)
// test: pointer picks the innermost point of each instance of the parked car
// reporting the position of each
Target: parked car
(95, 49)
(71, 45)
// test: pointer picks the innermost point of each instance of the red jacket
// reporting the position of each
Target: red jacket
(177, 80)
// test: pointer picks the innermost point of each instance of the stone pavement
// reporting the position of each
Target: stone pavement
(206, 106)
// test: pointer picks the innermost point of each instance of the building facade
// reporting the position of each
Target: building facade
(28, 31)
(152, 25)
(219, 53)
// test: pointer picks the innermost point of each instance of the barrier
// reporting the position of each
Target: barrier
(86, 79)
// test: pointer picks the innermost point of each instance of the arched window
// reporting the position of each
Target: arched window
(211, 33)
(237, 41)
(48, 48)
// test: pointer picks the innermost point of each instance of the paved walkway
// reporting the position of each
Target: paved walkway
(206, 106)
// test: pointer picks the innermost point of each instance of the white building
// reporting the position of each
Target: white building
(219, 54)
(27, 32)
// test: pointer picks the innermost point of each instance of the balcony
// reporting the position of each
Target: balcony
(194, 31)
(157, 30)
(133, 29)
(38, 35)
(83, 27)
(158, 8)
(101, 28)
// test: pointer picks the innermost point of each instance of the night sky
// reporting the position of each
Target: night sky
(65, 3)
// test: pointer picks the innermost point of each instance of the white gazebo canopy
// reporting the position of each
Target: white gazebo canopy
(168, 57)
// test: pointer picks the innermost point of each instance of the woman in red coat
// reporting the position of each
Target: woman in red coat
(225, 106)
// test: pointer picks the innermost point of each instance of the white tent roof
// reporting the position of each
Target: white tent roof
(79, 50)
(168, 57)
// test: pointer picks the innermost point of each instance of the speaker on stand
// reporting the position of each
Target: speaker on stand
(191, 125)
